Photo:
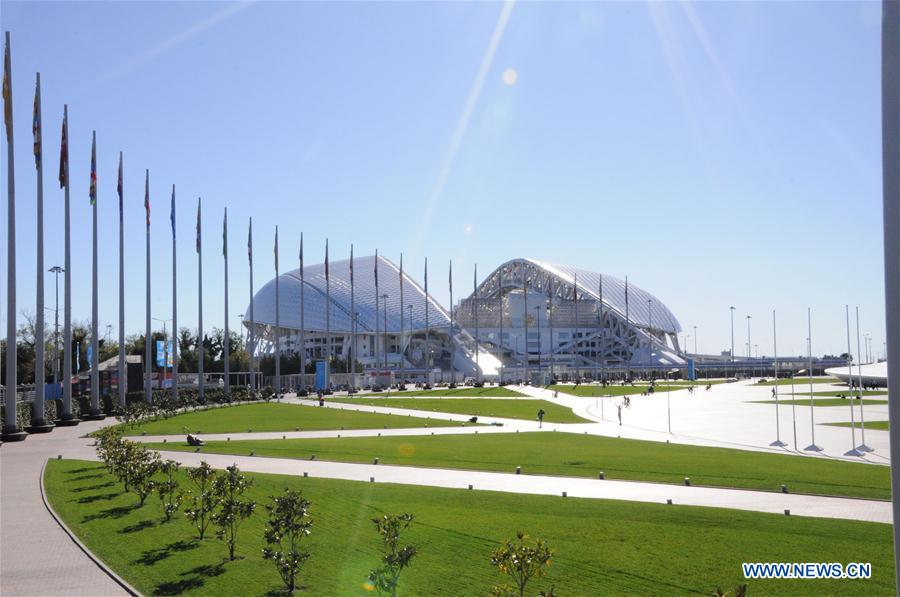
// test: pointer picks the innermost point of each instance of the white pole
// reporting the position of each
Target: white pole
(200, 351)
(862, 421)
(890, 140)
(122, 370)
(96, 413)
(11, 432)
(227, 347)
(812, 409)
(852, 451)
(37, 419)
(148, 364)
(174, 304)
(777, 443)
(302, 321)
(353, 322)
(277, 323)
(251, 331)
(327, 320)
(793, 409)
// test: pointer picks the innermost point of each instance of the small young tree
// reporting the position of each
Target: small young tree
(170, 494)
(289, 522)
(201, 497)
(395, 558)
(141, 469)
(521, 561)
(228, 489)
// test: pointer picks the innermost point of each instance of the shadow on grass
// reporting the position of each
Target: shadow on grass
(83, 477)
(152, 556)
(138, 526)
(117, 512)
(90, 499)
(92, 487)
(194, 580)
(84, 469)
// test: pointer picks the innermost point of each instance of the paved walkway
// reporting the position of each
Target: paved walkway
(36, 556)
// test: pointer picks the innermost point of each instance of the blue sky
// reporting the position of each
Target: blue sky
(717, 153)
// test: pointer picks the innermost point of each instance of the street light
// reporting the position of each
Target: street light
(695, 339)
(57, 270)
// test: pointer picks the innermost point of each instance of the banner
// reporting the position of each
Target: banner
(161, 353)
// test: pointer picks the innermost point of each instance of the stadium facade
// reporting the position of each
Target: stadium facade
(526, 314)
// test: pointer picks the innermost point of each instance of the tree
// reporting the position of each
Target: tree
(521, 561)
(202, 499)
(289, 523)
(228, 489)
(395, 559)
(170, 495)
(141, 468)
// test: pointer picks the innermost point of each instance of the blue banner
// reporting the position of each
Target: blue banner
(321, 375)
(691, 373)
(162, 353)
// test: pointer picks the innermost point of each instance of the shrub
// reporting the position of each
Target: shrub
(395, 559)
(202, 498)
(289, 522)
(228, 489)
(141, 468)
(170, 495)
(521, 561)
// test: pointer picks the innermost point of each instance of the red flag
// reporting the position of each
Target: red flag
(64, 151)
(147, 197)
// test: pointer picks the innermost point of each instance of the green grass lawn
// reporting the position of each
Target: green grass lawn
(584, 456)
(877, 425)
(482, 407)
(485, 392)
(591, 391)
(600, 547)
(843, 392)
(818, 401)
(799, 380)
(275, 417)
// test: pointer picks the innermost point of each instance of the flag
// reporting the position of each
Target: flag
(7, 91)
(119, 189)
(147, 197)
(450, 279)
(172, 212)
(301, 254)
(36, 122)
(198, 224)
(64, 151)
(376, 269)
(351, 264)
(276, 248)
(401, 272)
(326, 258)
(225, 234)
(426, 277)
(250, 241)
(92, 191)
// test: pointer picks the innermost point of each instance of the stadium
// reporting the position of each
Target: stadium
(529, 317)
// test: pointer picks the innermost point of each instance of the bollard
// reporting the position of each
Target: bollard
(296, 429)
(371, 479)
(787, 512)
(305, 474)
(432, 433)
(252, 453)
(283, 437)
(312, 457)
(145, 433)
(164, 440)
(470, 487)
(565, 494)
(59, 456)
(518, 470)
(376, 460)
(602, 475)
(379, 434)
(669, 502)
(784, 488)
(687, 481)
(249, 431)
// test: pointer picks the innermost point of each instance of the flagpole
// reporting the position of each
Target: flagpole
(148, 363)
(227, 347)
(602, 346)
(200, 349)
(777, 443)
(68, 417)
(402, 337)
(122, 373)
(475, 315)
(277, 323)
(375, 343)
(302, 322)
(352, 324)
(251, 333)
(550, 325)
(500, 339)
(96, 414)
(852, 451)
(859, 392)
(575, 339)
(39, 423)
(11, 432)
(427, 324)
(327, 321)
(525, 319)
(812, 411)
(450, 283)
(174, 302)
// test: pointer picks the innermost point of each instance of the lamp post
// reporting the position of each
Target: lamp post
(384, 298)
(749, 346)
(695, 340)
(56, 270)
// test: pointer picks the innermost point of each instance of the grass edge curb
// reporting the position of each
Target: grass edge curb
(97, 561)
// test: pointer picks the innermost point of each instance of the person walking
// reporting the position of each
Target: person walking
(541, 414)
(619, 409)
